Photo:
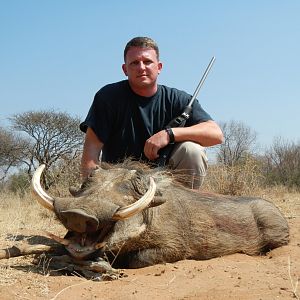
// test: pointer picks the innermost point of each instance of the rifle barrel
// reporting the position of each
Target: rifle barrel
(202, 81)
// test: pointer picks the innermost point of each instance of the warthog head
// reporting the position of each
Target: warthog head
(91, 215)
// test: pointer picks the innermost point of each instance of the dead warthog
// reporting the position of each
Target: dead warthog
(140, 216)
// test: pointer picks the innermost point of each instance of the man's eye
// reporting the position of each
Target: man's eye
(144, 62)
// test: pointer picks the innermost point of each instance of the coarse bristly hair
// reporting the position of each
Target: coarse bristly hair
(162, 176)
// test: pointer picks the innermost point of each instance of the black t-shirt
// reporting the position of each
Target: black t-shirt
(123, 120)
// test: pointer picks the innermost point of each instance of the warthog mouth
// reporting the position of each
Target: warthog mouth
(80, 246)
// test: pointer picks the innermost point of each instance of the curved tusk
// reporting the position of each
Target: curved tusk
(42, 197)
(100, 245)
(138, 206)
(58, 239)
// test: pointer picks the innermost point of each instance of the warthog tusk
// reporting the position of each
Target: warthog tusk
(138, 206)
(100, 245)
(42, 197)
(58, 239)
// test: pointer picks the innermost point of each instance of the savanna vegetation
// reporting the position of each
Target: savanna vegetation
(53, 138)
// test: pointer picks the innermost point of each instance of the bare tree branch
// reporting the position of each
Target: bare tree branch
(239, 140)
(282, 162)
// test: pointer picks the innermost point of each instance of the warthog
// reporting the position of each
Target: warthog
(142, 216)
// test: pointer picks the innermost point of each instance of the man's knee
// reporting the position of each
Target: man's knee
(189, 156)
(190, 159)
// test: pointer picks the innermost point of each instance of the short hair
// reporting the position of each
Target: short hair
(143, 42)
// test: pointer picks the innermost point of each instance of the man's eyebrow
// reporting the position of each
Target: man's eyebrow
(143, 59)
(134, 61)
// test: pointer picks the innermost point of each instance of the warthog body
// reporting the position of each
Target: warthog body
(178, 224)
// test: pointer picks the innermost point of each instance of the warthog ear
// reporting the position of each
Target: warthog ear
(78, 220)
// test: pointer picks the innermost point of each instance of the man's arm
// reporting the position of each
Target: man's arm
(91, 151)
(206, 134)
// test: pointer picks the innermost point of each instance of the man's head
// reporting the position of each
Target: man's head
(141, 42)
(142, 65)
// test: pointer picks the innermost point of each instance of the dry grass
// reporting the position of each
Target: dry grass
(23, 212)
(294, 282)
(22, 219)
(245, 179)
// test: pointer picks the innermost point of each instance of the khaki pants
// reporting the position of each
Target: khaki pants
(189, 161)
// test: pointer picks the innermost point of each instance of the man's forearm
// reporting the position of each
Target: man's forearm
(87, 166)
(90, 156)
(206, 134)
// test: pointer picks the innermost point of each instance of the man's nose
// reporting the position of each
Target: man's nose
(141, 65)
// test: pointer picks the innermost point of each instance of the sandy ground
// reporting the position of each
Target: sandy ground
(233, 277)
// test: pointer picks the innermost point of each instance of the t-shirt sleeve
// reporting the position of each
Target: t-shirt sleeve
(98, 118)
(198, 114)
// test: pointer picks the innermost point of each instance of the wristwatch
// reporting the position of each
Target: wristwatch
(171, 135)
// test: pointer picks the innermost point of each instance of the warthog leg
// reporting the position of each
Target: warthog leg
(96, 270)
(25, 249)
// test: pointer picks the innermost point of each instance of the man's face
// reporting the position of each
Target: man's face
(141, 67)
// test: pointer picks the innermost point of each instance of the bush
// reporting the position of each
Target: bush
(282, 163)
(244, 178)
(18, 183)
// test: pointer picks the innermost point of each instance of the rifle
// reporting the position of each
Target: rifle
(180, 121)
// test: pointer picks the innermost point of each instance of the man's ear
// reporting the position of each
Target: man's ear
(160, 65)
(124, 69)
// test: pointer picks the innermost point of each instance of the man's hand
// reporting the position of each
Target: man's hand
(155, 143)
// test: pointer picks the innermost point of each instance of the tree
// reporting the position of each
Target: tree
(239, 140)
(53, 137)
(283, 162)
(10, 151)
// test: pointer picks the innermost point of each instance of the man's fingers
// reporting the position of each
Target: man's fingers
(154, 144)
(151, 151)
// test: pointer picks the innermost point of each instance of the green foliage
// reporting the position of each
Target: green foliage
(18, 183)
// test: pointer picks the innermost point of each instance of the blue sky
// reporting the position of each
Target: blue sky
(57, 54)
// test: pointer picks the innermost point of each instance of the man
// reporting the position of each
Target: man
(128, 119)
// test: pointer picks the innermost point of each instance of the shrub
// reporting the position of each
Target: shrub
(244, 178)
